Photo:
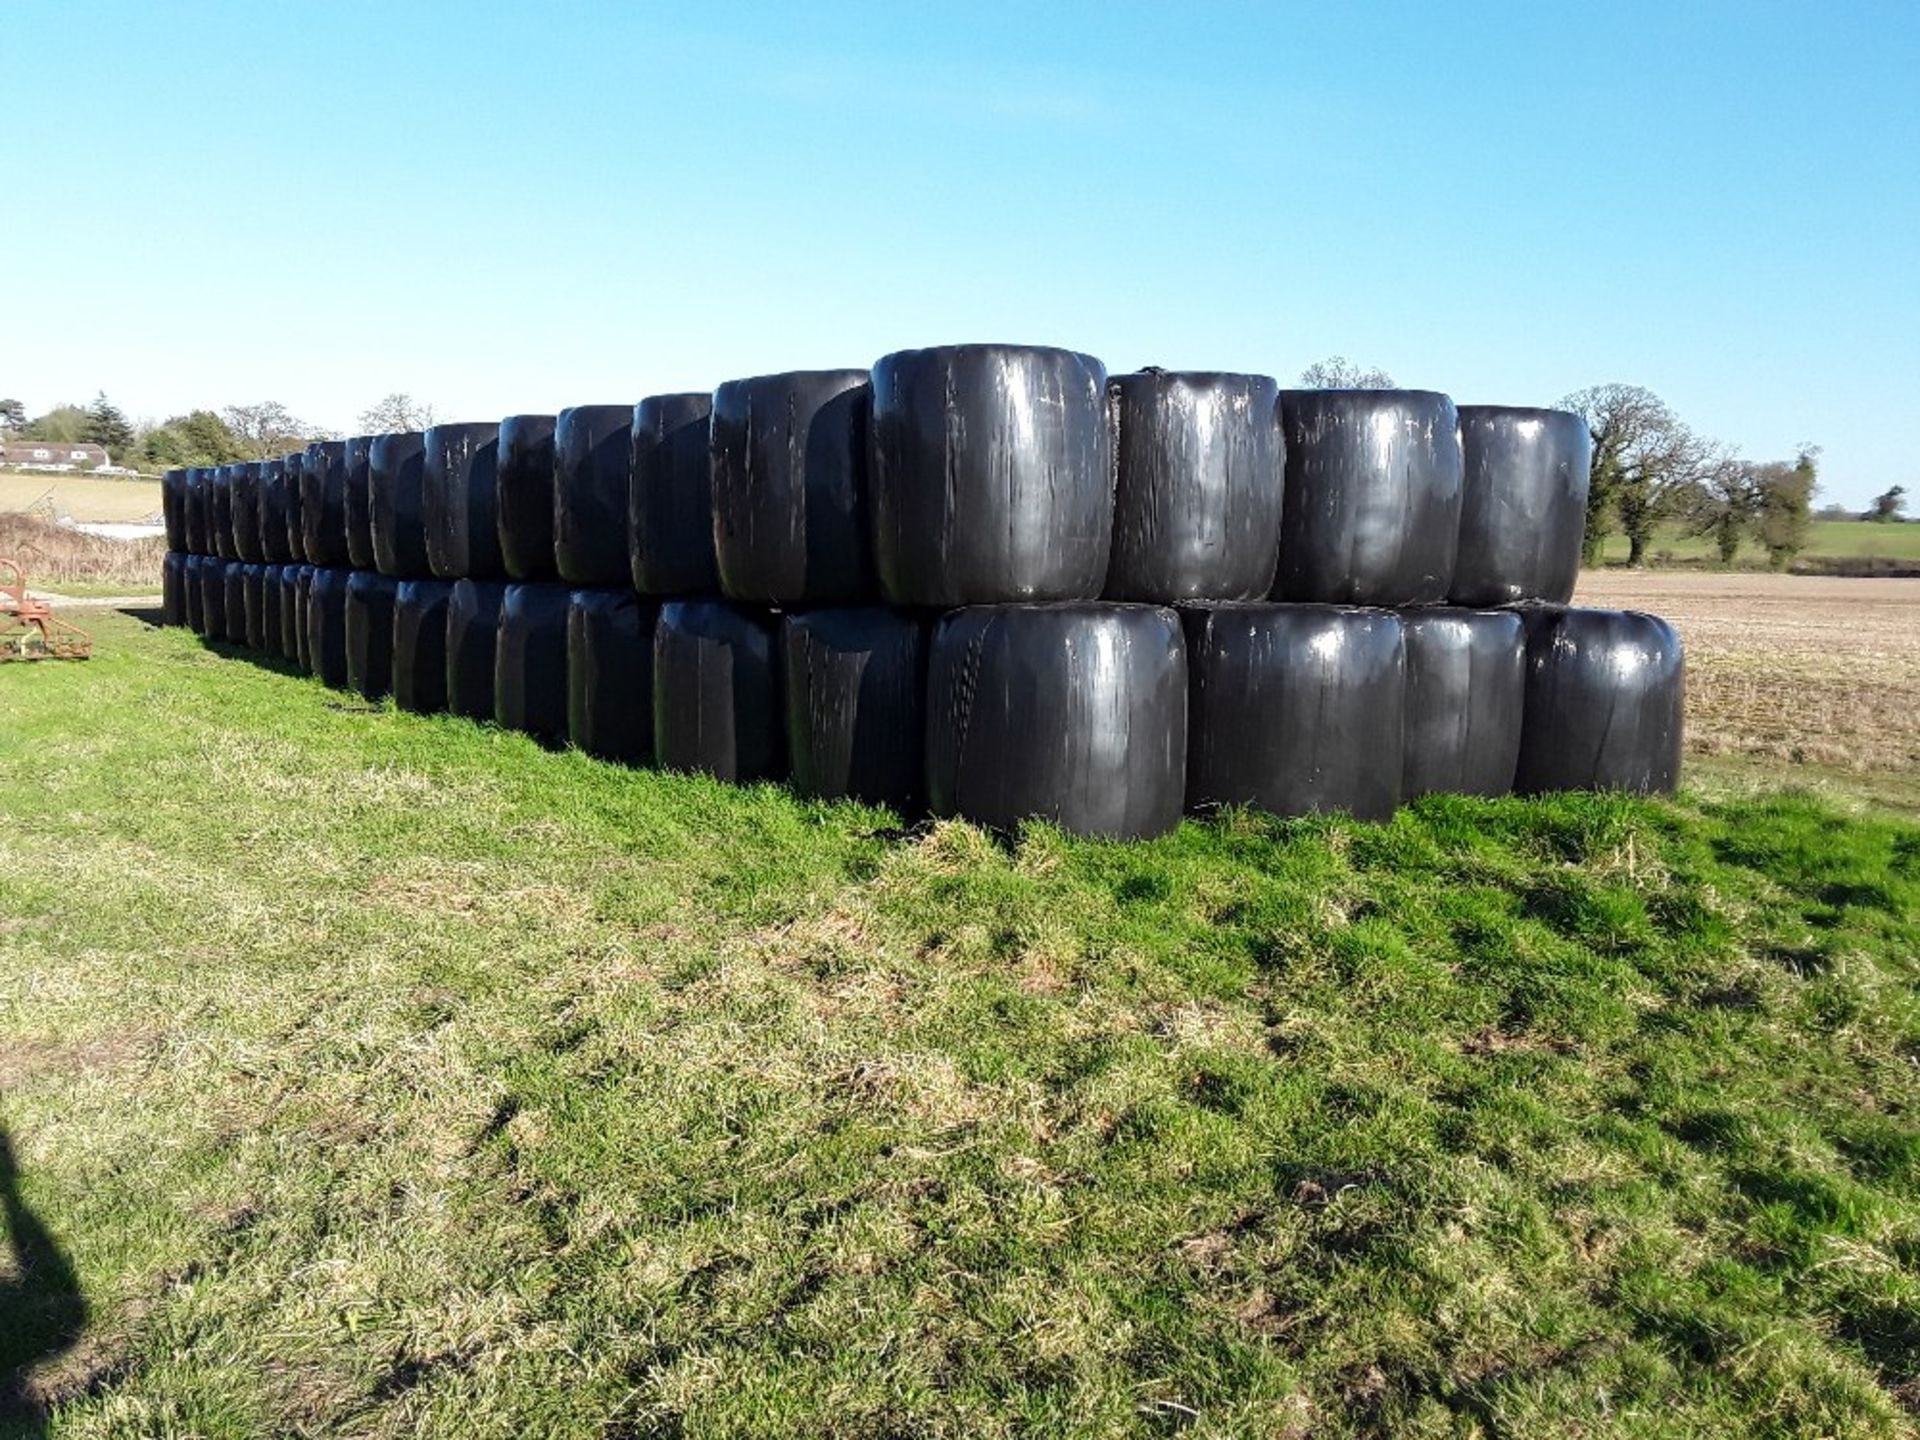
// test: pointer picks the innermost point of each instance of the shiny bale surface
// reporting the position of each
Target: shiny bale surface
(788, 460)
(670, 502)
(220, 511)
(1372, 514)
(854, 682)
(530, 662)
(396, 508)
(1606, 691)
(290, 613)
(173, 508)
(473, 630)
(1200, 461)
(302, 613)
(1466, 698)
(323, 503)
(420, 645)
(523, 496)
(198, 500)
(460, 503)
(610, 675)
(593, 452)
(358, 458)
(294, 468)
(233, 601)
(192, 596)
(1296, 708)
(327, 625)
(243, 502)
(173, 588)
(1074, 713)
(716, 692)
(270, 610)
(992, 476)
(1523, 508)
(271, 493)
(370, 601)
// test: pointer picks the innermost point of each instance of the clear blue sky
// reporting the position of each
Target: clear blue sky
(503, 208)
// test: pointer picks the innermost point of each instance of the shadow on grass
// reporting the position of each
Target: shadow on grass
(42, 1311)
(151, 616)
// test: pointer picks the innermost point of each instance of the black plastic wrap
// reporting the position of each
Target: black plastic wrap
(220, 511)
(271, 489)
(789, 461)
(1074, 713)
(1606, 693)
(1201, 463)
(246, 511)
(327, 625)
(357, 456)
(670, 498)
(192, 597)
(173, 588)
(420, 645)
(473, 626)
(461, 503)
(716, 691)
(610, 675)
(992, 477)
(523, 496)
(173, 508)
(290, 612)
(370, 600)
(1466, 696)
(1296, 708)
(199, 504)
(396, 475)
(1372, 512)
(1523, 506)
(323, 504)
(295, 466)
(855, 687)
(302, 611)
(269, 609)
(233, 601)
(530, 662)
(592, 453)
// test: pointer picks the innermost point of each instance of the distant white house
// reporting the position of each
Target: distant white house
(53, 455)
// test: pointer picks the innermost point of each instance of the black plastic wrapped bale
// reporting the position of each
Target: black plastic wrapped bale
(1372, 513)
(272, 488)
(246, 512)
(323, 504)
(302, 613)
(716, 692)
(357, 457)
(992, 476)
(269, 609)
(1074, 713)
(220, 512)
(295, 466)
(370, 602)
(610, 675)
(233, 602)
(523, 496)
(530, 662)
(670, 497)
(1523, 506)
(1606, 691)
(192, 597)
(460, 500)
(173, 508)
(1201, 467)
(396, 476)
(290, 612)
(173, 588)
(592, 453)
(1466, 695)
(199, 500)
(1296, 708)
(420, 645)
(473, 626)
(789, 461)
(855, 687)
(327, 625)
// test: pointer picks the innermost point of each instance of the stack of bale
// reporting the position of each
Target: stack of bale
(984, 580)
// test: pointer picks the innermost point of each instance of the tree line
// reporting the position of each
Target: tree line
(200, 437)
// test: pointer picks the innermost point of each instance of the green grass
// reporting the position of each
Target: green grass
(389, 1076)
(1829, 540)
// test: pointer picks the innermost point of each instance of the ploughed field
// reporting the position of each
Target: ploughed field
(1789, 667)
(376, 1074)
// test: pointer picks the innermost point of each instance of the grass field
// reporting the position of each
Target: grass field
(87, 498)
(380, 1075)
(1843, 540)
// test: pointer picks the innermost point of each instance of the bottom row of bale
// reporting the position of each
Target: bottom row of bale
(1108, 719)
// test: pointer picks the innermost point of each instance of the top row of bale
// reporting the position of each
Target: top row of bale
(958, 475)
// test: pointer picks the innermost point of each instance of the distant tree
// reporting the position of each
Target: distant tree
(63, 423)
(13, 417)
(199, 438)
(1646, 464)
(1339, 373)
(396, 414)
(108, 428)
(1784, 505)
(265, 430)
(1832, 511)
(1888, 504)
(1723, 507)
